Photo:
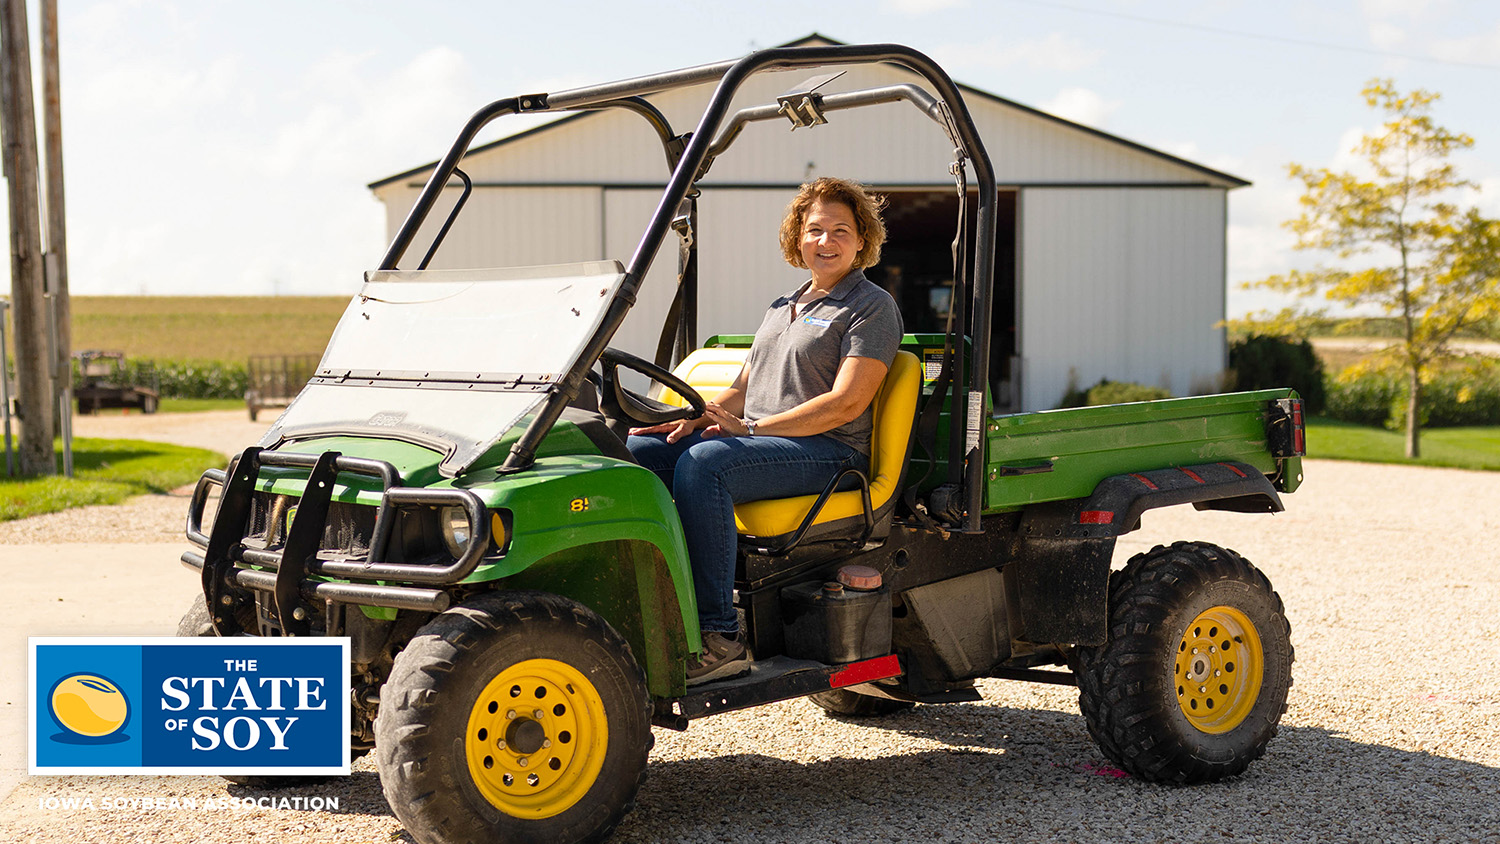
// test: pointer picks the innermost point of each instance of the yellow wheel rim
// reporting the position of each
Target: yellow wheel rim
(536, 738)
(1218, 669)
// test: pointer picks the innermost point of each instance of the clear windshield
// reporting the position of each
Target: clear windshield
(450, 358)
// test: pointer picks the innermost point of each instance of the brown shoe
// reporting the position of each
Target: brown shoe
(722, 658)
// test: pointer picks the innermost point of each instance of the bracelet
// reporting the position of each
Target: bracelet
(749, 426)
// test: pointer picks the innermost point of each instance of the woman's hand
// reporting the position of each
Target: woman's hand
(715, 422)
(675, 430)
(715, 413)
(722, 422)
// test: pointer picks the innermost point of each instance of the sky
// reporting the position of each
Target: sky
(224, 147)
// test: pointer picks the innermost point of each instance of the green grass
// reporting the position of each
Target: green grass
(197, 405)
(106, 472)
(182, 406)
(1461, 448)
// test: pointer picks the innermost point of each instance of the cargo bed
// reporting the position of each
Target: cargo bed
(1053, 455)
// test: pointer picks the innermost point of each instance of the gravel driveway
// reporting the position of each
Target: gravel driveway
(1389, 575)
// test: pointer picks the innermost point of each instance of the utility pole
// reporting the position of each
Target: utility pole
(33, 357)
(55, 268)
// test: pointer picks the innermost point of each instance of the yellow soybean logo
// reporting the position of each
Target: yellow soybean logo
(89, 705)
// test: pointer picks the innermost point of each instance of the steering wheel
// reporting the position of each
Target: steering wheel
(616, 402)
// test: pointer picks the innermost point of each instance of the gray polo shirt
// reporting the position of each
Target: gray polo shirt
(794, 360)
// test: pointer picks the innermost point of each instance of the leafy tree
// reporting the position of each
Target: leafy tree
(1430, 265)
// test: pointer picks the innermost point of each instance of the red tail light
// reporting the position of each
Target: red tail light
(1286, 428)
(1299, 429)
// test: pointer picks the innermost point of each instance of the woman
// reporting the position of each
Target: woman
(798, 413)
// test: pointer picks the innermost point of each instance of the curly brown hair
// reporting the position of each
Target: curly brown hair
(866, 208)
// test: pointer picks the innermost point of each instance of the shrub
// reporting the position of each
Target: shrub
(1122, 392)
(1108, 392)
(1362, 397)
(1074, 396)
(1461, 399)
(183, 379)
(1455, 398)
(197, 379)
(1261, 362)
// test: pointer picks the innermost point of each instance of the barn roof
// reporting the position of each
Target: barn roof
(815, 38)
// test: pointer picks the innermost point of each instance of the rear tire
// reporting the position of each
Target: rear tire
(852, 704)
(517, 717)
(1193, 680)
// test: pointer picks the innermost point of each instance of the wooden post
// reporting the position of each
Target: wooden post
(56, 267)
(33, 358)
(57, 234)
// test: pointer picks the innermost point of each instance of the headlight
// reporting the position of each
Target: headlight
(499, 532)
(456, 532)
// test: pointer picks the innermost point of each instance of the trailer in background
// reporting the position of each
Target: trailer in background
(274, 380)
(105, 382)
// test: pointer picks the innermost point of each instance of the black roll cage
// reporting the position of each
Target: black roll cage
(691, 154)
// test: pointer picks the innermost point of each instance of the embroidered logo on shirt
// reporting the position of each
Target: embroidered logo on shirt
(821, 323)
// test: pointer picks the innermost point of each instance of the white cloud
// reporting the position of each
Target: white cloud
(1386, 35)
(1481, 47)
(1488, 199)
(1347, 157)
(1431, 28)
(1259, 244)
(100, 23)
(104, 74)
(219, 181)
(397, 116)
(152, 86)
(1401, 8)
(1082, 105)
(1055, 52)
(1190, 151)
(921, 7)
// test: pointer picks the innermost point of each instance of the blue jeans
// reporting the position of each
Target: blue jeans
(708, 476)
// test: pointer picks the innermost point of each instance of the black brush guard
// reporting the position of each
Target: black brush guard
(294, 574)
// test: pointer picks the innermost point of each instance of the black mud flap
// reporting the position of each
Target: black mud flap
(1118, 502)
(1058, 585)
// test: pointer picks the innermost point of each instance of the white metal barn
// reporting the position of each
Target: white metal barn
(1111, 255)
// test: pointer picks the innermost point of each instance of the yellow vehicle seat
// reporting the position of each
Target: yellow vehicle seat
(709, 371)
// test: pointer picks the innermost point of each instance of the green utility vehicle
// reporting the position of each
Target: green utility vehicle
(451, 492)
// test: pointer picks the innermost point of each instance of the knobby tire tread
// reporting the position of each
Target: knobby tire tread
(196, 623)
(413, 705)
(1137, 722)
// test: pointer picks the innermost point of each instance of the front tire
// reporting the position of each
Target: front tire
(197, 622)
(1193, 680)
(516, 716)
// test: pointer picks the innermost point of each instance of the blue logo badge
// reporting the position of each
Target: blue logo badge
(821, 323)
(189, 706)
